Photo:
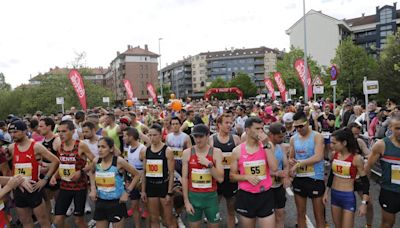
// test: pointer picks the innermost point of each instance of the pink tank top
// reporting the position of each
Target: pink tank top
(254, 164)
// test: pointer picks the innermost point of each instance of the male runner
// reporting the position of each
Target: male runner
(226, 142)
(25, 156)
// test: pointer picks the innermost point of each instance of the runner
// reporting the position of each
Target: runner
(177, 141)
(51, 142)
(159, 178)
(188, 124)
(280, 181)
(136, 153)
(73, 180)
(7, 184)
(107, 186)
(388, 151)
(326, 125)
(307, 165)
(346, 165)
(91, 138)
(226, 142)
(112, 130)
(201, 169)
(251, 166)
(25, 156)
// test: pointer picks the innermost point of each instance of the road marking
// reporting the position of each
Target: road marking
(289, 192)
(309, 223)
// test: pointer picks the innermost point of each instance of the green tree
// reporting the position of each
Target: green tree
(354, 64)
(3, 84)
(389, 72)
(244, 83)
(219, 83)
(286, 67)
(166, 92)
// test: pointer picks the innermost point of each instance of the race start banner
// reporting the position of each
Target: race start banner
(77, 82)
(299, 66)
(128, 88)
(281, 85)
(270, 87)
(152, 92)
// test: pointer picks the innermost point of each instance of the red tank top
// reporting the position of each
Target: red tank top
(70, 162)
(344, 168)
(24, 162)
(200, 178)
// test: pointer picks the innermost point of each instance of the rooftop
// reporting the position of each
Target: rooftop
(240, 52)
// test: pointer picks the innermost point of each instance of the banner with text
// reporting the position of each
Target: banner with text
(128, 88)
(281, 85)
(77, 82)
(299, 66)
(152, 92)
(270, 87)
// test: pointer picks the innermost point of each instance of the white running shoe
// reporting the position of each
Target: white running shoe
(71, 209)
(180, 222)
(92, 223)
(236, 220)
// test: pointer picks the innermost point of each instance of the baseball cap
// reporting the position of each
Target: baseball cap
(288, 117)
(125, 120)
(3, 139)
(66, 117)
(200, 129)
(18, 125)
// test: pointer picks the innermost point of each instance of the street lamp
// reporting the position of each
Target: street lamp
(305, 55)
(161, 76)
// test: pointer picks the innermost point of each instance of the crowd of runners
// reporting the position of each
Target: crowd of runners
(166, 168)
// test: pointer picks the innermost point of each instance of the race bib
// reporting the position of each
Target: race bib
(66, 171)
(341, 168)
(23, 168)
(305, 171)
(125, 153)
(256, 168)
(201, 178)
(154, 168)
(227, 160)
(326, 134)
(396, 174)
(105, 181)
(177, 153)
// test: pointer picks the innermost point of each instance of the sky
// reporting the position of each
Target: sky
(38, 35)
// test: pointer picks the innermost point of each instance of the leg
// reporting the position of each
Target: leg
(247, 222)
(230, 209)
(136, 213)
(42, 215)
(370, 210)
(25, 216)
(336, 216)
(119, 224)
(268, 221)
(318, 208)
(347, 219)
(388, 219)
(280, 218)
(101, 224)
(301, 203)
(80, 221)
(167, 211)
(195, 224)
(154, 208)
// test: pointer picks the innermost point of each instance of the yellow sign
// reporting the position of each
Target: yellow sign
(341, 168)
(201, 178)
(154, 168)
(256, 168)
(227, 160)
(396, 174)
(105, 181)
(23, 168)
(305, 171)
(66, 171)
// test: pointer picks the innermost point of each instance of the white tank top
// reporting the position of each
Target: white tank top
(134, 157)
(176, 141)
(93, 147)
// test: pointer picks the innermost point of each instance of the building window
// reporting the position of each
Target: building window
(242, 68)
(386, 27)
(194, 85)
(386, 33)
(250, 68)
(142, 92)
(141, 67)
(386, 15)
(145, 58)
(229, 69)
(202, 72)
(194, 79)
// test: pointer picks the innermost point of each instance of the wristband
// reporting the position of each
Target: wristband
(46, 178)
(128, 191)
(210, 165)
(364, 202)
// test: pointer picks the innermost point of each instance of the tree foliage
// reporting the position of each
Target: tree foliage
(388, 74)
(354, 64)
(286, 67)
(244, 83)
(31, 98)
(3, 84)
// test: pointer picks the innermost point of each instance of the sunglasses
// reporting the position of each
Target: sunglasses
(300, 126)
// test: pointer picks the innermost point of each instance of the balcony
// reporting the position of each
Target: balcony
(259, 62)
(259, 70)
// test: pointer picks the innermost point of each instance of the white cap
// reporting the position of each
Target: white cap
(66, 117)
(288, 117)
